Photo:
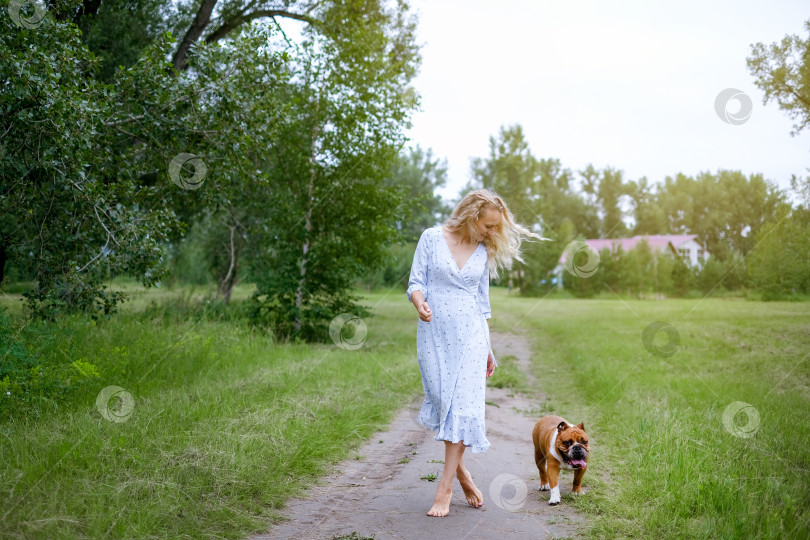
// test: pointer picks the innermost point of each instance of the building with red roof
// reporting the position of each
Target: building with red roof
(687, 247)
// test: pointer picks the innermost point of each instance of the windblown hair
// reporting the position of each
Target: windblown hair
(504, 244)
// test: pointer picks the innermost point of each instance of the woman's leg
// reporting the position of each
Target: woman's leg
(474, 496)
(444, 491)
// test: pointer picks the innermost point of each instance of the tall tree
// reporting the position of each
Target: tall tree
(509, 170)
(649, 217)
(726, 210)
(610, 190)
(418, 174)
(558, 201)
(331, 215)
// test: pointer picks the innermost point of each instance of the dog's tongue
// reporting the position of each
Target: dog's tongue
(579, 463)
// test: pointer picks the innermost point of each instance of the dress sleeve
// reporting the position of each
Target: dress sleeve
(419, 268)
(483, 293)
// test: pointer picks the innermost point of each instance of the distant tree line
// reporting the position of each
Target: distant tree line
(756, 237)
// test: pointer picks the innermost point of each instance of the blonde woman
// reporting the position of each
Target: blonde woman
(451, 269)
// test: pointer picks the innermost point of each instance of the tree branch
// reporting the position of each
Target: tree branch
(201, 20)
(228, 26)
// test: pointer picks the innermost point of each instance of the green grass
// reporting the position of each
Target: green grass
(227, 425)
(509, 375)
(664, 464)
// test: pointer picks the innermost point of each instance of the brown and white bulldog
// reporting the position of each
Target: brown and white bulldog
(559, 445)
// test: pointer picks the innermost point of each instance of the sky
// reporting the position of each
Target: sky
(626, 84)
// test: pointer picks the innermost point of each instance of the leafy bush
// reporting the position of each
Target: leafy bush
(33, 371)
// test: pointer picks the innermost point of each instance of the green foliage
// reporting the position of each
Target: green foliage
(419, 175)
(782, 71)
(726, 210)
(394, 274)
(189, 258)
(716, 276)
(91, 147)
(510, 171)
(331, 214)
(75, 212)
(780, 262)
(119, 32)
(648, 214)
(34, 376)
(640, 273)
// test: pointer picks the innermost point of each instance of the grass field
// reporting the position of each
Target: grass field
(665, 461)
(225, 425)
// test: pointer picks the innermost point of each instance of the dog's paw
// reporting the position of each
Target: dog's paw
(577, 493)
(555, 496)
(545, 487)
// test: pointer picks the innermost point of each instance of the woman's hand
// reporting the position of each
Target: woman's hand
(424, 312)
(490, 365)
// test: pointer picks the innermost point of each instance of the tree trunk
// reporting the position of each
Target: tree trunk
(299, 294)
(203, 19)
(230, 279)
(194, 32)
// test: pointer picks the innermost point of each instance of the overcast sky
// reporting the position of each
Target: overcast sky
(628, 84)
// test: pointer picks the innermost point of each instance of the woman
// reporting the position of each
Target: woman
(451, 268)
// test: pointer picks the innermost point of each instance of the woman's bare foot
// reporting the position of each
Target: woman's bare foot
(473, 494)
(441, 504)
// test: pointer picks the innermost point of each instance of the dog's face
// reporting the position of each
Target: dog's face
(572, 444)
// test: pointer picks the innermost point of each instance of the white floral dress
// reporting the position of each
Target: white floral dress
(452, 349)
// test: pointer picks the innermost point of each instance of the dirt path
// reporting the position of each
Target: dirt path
(382, 496)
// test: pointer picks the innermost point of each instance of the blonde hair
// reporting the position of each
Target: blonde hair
(504, 244)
